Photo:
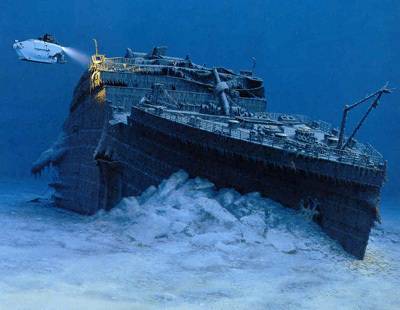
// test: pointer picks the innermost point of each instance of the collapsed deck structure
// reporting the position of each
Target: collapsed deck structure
(136, 120)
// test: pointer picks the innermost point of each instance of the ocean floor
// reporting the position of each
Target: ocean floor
(181, 246)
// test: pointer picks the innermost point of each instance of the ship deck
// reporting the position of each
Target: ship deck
(360, 155)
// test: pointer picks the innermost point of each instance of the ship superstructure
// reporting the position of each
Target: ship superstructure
(136, 120)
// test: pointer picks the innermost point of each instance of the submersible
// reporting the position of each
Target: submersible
(42, 50)
(137, 119)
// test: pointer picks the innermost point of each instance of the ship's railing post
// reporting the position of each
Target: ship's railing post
(366, 160)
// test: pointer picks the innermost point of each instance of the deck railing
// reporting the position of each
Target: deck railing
(369, 160)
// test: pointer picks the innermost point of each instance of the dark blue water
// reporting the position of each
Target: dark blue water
(314, 56)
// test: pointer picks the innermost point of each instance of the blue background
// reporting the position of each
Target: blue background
(315, 57)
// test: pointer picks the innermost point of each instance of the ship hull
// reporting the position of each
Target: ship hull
(110, 161)
(106, 153)
(346, 210)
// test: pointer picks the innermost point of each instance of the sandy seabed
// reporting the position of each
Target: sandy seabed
(185, 245)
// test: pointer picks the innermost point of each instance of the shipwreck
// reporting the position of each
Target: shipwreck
(137, 119)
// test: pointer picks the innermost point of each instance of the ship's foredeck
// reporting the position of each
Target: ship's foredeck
(360, 155)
